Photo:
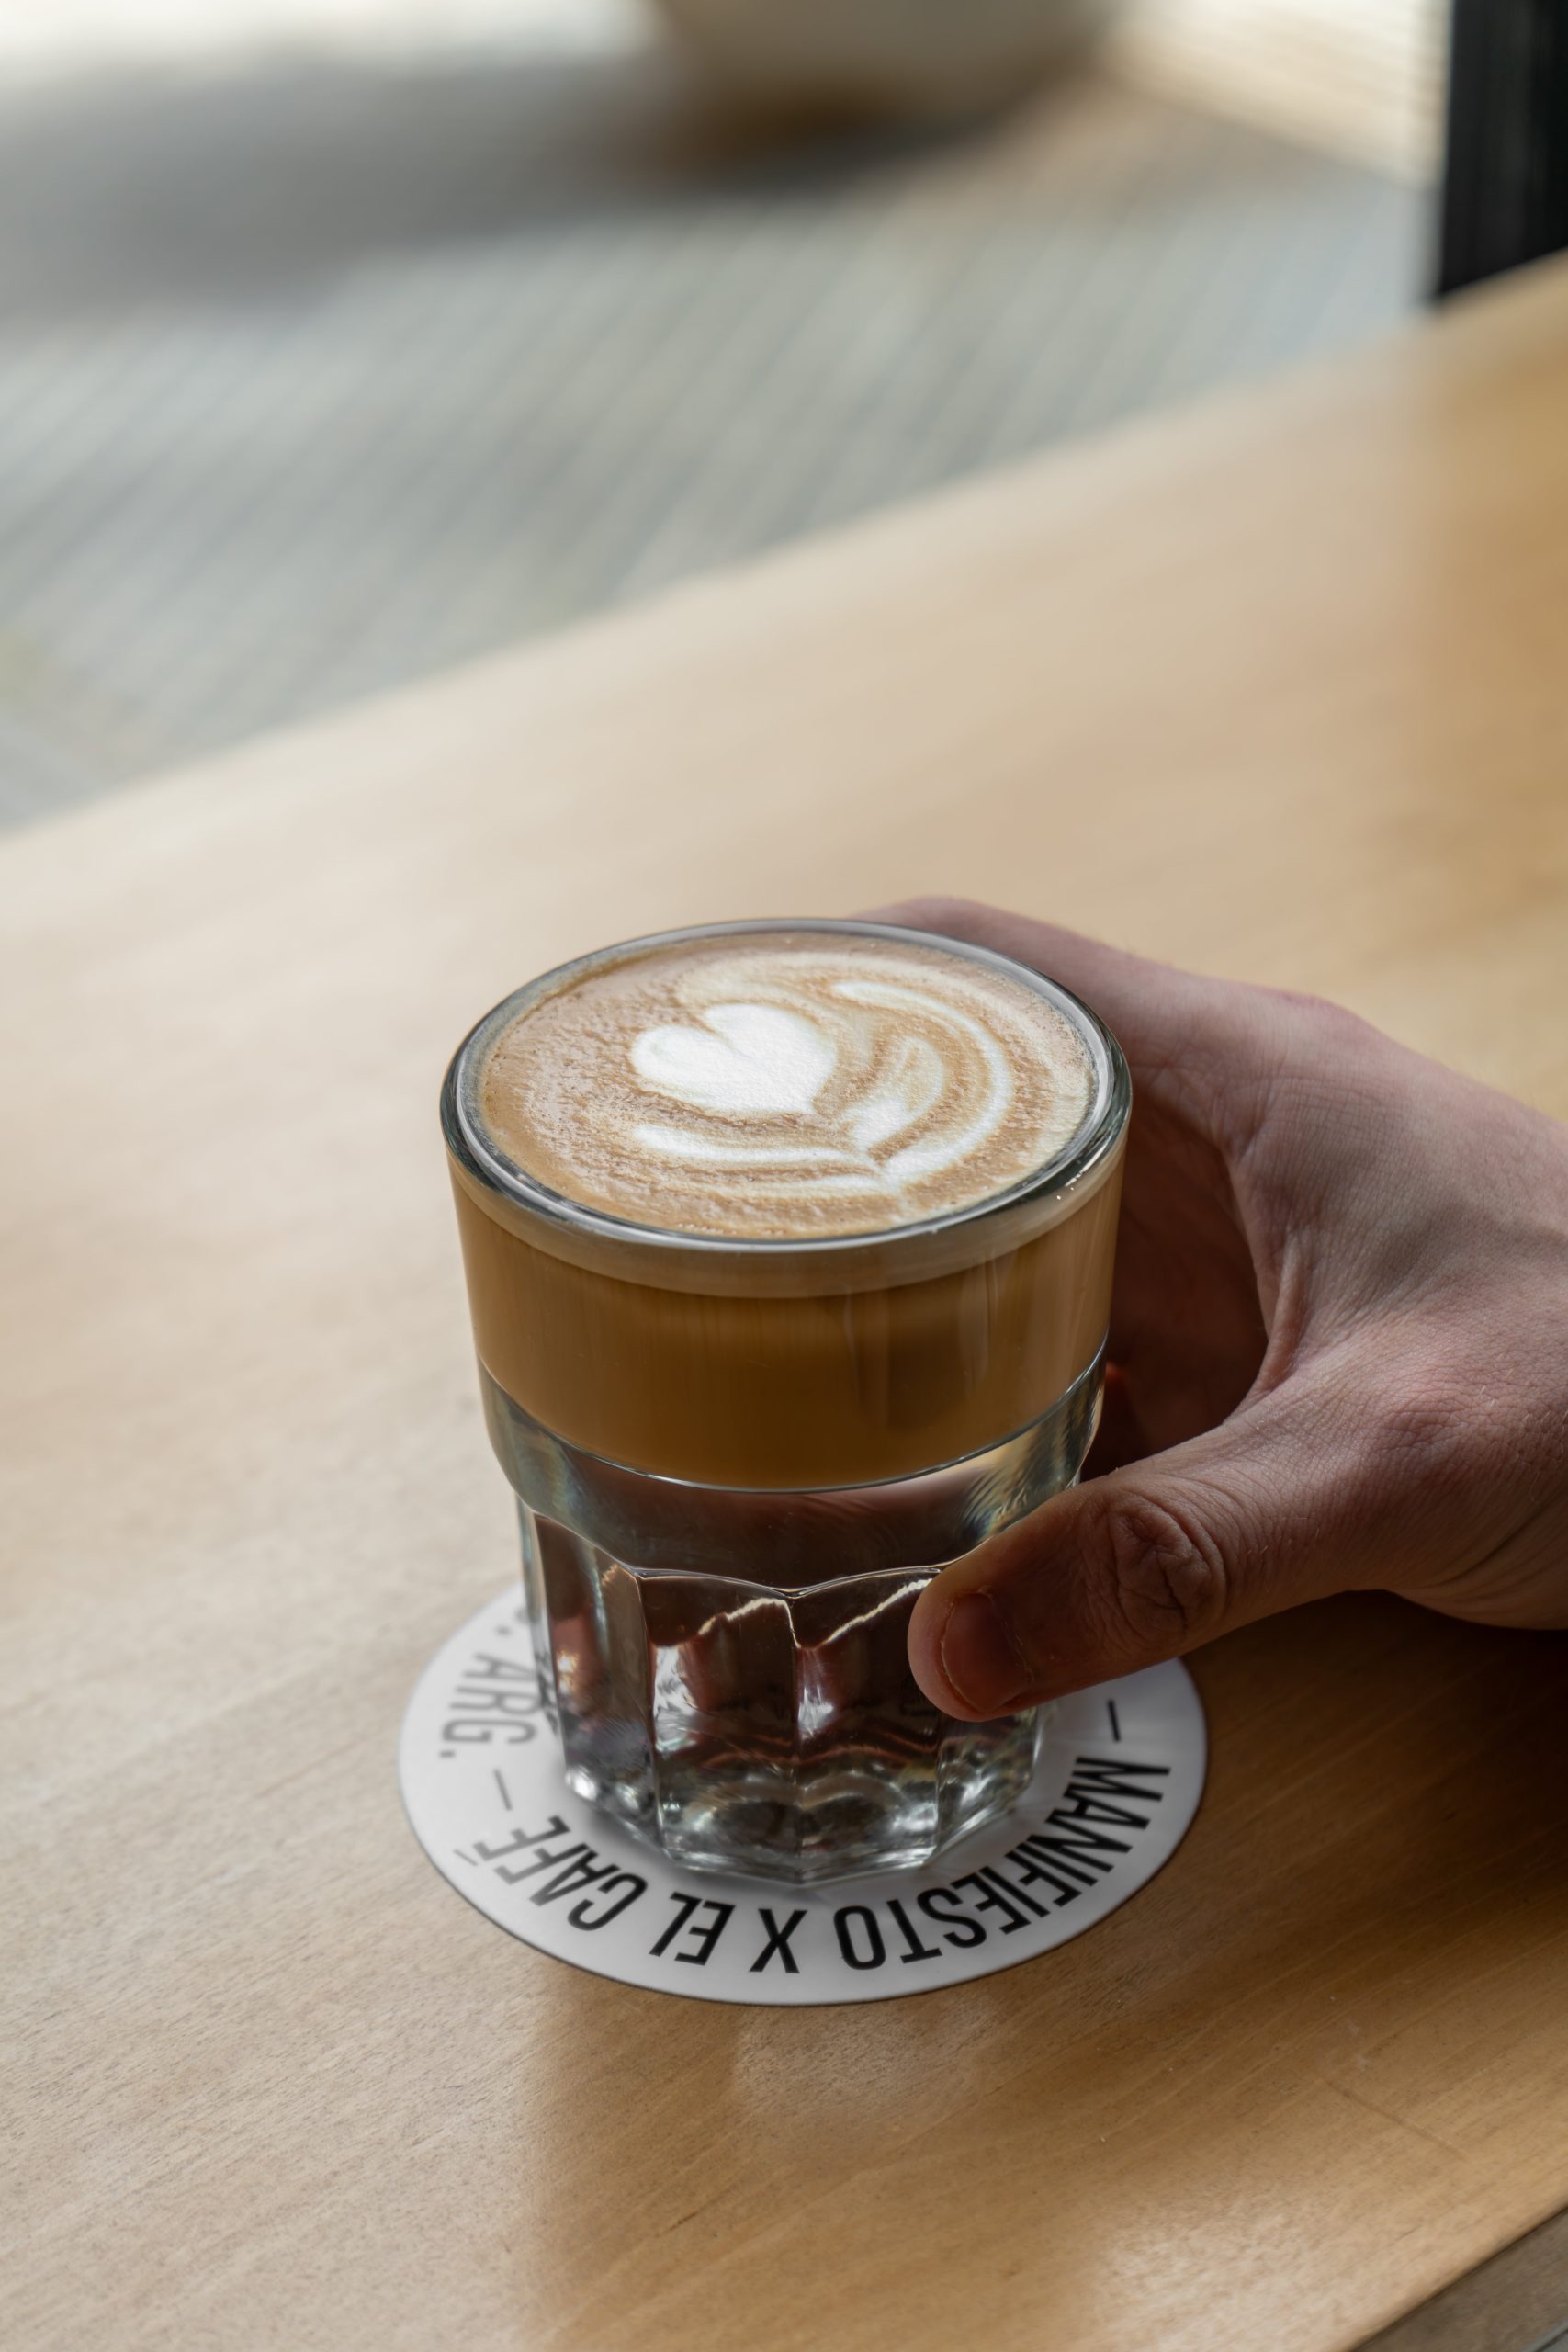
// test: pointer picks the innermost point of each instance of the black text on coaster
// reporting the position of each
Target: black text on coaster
(1120, 1775)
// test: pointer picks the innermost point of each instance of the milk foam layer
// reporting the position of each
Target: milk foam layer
(785, 1085)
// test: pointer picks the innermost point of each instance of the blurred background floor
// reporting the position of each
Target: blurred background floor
(318, 371)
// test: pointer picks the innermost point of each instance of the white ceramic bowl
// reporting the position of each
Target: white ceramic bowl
(885, 52)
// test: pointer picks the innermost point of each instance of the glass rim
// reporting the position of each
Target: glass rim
(1086, 1152)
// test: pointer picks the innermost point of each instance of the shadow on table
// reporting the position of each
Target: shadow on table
(1348, 1966)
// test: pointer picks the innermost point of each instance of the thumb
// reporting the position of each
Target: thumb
(1141, 1564)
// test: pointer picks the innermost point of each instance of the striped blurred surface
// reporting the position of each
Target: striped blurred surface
(317, 375)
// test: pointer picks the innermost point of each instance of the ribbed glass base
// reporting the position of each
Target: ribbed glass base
(768, 1723)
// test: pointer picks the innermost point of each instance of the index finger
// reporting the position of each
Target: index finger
(1189, 1041)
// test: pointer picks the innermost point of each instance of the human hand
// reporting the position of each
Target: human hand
(1339, 1346)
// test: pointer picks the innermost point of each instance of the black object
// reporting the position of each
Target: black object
(1505, 179)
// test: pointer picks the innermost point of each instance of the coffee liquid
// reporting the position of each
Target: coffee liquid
(787, 1206)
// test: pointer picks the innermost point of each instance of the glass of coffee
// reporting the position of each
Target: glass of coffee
(789, 1251)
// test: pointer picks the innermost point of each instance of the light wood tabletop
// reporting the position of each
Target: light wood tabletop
(1278, 689)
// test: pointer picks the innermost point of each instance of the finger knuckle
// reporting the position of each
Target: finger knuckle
(941, 911)
(1162, 1573)
(1437, 1429)
(1333, 1023)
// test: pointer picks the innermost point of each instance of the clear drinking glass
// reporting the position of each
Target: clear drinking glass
(737, 1461)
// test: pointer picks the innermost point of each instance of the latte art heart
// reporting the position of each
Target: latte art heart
(786, 1085)
(745, 1058)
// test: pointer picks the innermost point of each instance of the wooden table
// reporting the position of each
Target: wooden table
(1278, 689)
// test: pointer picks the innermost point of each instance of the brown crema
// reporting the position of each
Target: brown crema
(784, 1085)
(853, 1361)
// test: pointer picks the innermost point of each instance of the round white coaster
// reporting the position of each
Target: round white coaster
(1120, 1775)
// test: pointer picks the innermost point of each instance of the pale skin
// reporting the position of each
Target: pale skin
(1339, 1346)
